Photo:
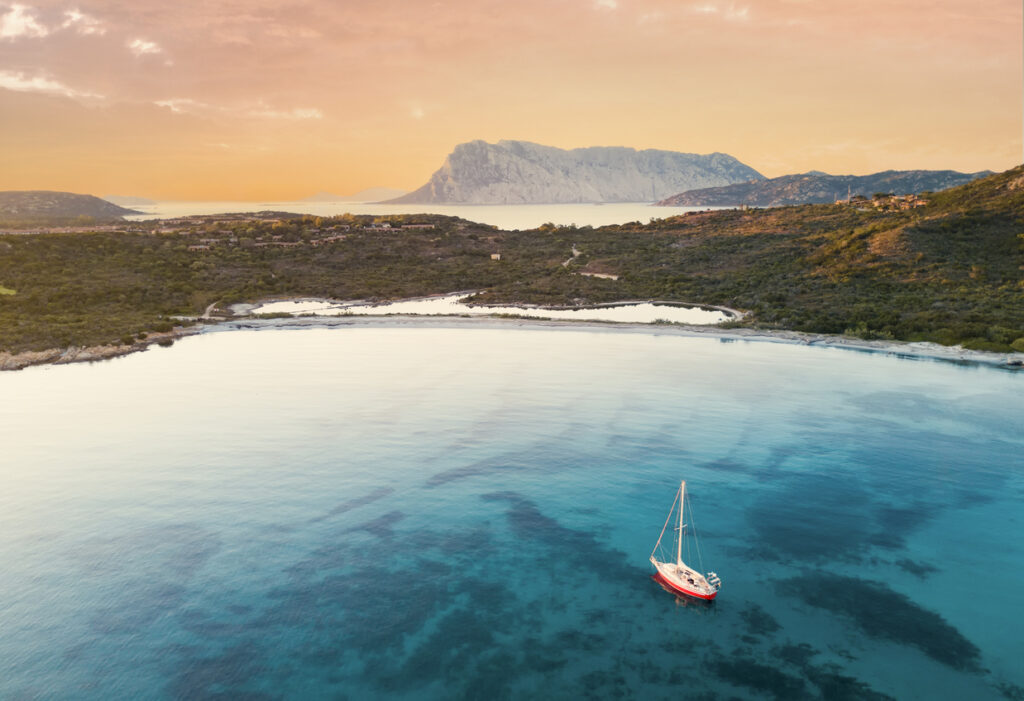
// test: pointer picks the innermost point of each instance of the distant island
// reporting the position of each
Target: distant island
(129, 201)
(520, 172)
(32, 205)
(370, 194)
(819, 188)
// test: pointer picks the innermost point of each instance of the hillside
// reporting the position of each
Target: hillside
(47, 204)
(819, 188)
(950, 272)
(520, 172)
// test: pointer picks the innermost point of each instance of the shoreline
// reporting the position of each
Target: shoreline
(90, 354)
(902, 349)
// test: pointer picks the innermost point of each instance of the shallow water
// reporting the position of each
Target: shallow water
(424, 512)
(640, 313)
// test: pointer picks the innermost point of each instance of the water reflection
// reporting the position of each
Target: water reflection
(683, 601)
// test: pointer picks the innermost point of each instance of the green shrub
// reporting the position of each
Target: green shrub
(983, 344)
(1001, 334)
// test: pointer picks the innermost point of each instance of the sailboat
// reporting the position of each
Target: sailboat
(676, 574)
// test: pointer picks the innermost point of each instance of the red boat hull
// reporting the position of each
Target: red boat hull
(670, 586)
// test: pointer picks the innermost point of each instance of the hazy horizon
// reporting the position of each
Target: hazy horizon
(216, 101)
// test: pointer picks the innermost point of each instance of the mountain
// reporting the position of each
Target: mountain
(129, 201)
(520, 172)
(816, 187)
(372, 194)
(26, 204)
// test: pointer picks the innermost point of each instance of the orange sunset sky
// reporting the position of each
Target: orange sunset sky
(260, 99)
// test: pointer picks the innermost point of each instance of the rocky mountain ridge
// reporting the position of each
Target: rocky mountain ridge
(816, 187)
(521, 172)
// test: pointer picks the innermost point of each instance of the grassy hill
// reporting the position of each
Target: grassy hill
(47, 206)
(819, 188)
(951, 272)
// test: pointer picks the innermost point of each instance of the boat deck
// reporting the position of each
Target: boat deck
(685, 579)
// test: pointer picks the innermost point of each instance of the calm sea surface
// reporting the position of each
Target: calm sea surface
(467, 513)
(508, 217)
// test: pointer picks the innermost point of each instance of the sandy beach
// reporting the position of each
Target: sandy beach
(922, 351)
(919, 351)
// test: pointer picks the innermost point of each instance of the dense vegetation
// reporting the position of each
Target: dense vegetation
(820, 188)
(950, 272)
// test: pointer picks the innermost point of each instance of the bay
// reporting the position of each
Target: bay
(506, 217)
(418, 512)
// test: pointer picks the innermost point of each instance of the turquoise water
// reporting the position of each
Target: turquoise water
(465, 513)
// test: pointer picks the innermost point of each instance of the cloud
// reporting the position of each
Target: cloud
(732, 13)
(185, 105)
(298, 113)
(651, 18)
(286, 32)
(19, 82)
(606, 4)
(142, 47)
(20, 21)
(82, 23)
(737, 14)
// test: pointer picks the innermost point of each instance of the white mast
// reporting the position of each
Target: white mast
(679, 542)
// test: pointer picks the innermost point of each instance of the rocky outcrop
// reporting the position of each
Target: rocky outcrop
(819, 188)
(88, 354)
(520, 172)
(23, 204)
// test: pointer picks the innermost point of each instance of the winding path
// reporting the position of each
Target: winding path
(209, 311)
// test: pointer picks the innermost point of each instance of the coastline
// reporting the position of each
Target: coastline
(902, 349)
(90, 354)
